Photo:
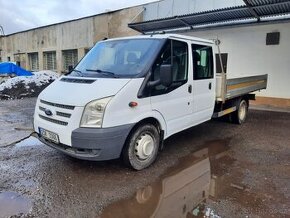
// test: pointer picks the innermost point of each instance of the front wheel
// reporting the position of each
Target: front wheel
(142, 146)
(240, 115)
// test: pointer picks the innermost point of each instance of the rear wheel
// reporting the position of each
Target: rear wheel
(240, 115)
(142, 146)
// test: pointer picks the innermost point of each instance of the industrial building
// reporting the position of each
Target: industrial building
(253, 34)
(57, 46)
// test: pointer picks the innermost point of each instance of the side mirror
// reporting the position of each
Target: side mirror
(70, 68)
(166, 75)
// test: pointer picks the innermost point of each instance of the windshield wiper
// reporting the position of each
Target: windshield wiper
(103, 72)
(79, 73)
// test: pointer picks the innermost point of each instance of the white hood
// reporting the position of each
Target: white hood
(79, 94)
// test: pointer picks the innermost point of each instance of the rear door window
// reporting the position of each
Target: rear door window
(202, 62)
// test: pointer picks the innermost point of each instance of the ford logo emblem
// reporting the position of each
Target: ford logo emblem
(48, 112)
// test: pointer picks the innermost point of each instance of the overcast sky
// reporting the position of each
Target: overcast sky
(18, 15)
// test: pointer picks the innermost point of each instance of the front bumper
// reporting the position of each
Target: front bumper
(93, 143)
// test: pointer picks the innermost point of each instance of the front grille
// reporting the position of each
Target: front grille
(58, 113)
(53, 120)
(69, 107)
(63, 114)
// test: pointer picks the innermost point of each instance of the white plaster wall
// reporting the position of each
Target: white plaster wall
(248, 54)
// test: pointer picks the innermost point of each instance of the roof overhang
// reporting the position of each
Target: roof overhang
(253, 11)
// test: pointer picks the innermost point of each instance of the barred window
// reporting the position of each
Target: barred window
(33, 61)
(70, 58)
(49, 60)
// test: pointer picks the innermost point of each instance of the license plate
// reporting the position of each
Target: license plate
(49, 135)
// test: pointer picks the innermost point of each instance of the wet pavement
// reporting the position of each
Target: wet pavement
(216, 169)
(180, 192)
(12, 203)
(16, 120)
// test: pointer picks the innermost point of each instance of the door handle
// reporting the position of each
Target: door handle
(209, 86)
(189, 88)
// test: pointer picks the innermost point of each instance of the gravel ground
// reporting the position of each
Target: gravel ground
(251, 180)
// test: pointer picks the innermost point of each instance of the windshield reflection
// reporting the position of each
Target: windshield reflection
(118, 58)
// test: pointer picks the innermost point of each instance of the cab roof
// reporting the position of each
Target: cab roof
(166, 36)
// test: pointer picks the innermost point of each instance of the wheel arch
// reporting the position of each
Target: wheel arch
(149, 120)
(159, 124)
(155, 118)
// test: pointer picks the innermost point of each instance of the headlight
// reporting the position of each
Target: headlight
(94, 112)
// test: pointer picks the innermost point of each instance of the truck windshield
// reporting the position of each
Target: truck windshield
(118, 58)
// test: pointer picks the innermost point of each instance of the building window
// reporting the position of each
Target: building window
(49, 60)
(33, 61)
(8, 59)
(87, 50)
(273, 38)
(70, 58)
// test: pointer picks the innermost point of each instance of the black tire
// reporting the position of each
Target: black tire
(240, 115)
(141, 147)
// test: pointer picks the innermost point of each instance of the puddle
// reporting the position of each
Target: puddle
(12, 204)
(181, 191)
(28, 142)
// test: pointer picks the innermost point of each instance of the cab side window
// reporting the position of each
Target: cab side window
(202, 62)
(174, 53)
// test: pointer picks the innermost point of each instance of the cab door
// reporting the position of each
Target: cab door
(174, 102)
(203, 82)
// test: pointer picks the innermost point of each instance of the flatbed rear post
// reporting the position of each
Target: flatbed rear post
(223, 74)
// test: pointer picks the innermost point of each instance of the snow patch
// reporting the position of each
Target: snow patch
(39, 78)
(210, 213)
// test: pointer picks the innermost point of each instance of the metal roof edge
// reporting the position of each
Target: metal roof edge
(226, 25)
(186, 15)
(222, 16)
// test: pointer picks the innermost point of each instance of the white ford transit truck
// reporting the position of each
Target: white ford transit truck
(128, 95)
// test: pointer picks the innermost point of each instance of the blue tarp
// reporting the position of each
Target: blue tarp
(10, 68)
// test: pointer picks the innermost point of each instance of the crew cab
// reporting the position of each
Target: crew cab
(128, 95)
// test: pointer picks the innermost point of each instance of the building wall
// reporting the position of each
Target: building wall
(79, 34)
(248, 54)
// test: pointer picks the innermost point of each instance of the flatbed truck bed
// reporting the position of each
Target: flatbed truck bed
(229, 90)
